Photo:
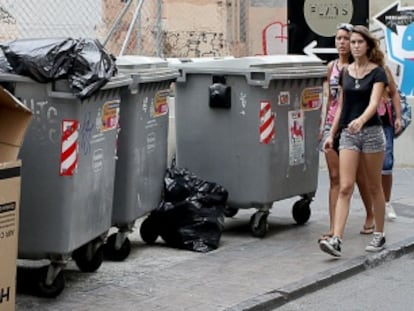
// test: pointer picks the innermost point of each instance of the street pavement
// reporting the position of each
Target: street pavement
(244, 273)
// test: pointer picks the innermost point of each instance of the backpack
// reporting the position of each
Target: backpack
(405, 115)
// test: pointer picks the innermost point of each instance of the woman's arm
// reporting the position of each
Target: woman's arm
(395, 99)
(335, 124)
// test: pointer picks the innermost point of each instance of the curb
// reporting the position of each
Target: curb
(276, 298)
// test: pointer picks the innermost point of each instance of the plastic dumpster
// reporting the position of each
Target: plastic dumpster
(175, 62)
(68, 175)
(252, 125)
(142, 146)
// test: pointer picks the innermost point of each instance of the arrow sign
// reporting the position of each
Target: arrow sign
(393, 16)
(311, 49)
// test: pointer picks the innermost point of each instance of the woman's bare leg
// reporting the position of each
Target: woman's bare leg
(348, 166)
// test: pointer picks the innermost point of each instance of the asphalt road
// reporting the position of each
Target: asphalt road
(389, 286)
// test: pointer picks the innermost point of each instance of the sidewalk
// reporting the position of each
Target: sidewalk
(244, 273)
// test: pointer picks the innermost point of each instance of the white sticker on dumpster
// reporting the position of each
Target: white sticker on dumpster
(69, 147)
(284, 98)
(296, 138)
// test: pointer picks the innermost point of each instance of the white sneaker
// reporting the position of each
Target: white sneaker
(377, 244)
(390, 212)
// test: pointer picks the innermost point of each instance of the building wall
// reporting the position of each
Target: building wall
(194, 28)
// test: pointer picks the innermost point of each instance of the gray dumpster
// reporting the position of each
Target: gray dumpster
(142, 146)
(68, 174)
(175, 62)
(252, 125)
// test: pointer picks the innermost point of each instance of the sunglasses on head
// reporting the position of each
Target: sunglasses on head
(345, 26)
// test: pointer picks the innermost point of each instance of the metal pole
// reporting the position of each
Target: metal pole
(131, 26)
(118, 20)
(159, 29)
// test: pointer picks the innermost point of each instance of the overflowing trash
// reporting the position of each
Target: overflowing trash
(191, 214)
(83, 62)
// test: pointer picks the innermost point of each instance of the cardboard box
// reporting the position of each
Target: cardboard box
(14, 120)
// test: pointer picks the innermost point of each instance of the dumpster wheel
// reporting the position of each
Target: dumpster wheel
(258, 224)
(148, 230)
(50, 290)
(89, 257)
(117, 254)
(301, 211)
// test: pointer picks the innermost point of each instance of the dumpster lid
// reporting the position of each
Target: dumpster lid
(259, 70)
(250, 62)
(182, 60)
(131, 62)
(144, 69)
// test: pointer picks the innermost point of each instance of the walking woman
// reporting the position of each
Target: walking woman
(390, 103)
(361, 135)
(342, 39)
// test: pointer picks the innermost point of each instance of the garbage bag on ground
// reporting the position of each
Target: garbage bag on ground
(84, 62)
(191, 215)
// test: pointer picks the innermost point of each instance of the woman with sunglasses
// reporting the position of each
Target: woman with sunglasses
(342, 45)
(361, 135)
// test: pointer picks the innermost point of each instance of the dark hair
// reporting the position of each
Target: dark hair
(374, 52)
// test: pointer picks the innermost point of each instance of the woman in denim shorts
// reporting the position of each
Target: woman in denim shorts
(362, 137)
(342, 36)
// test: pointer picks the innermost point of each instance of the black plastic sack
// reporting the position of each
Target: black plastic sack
(92, 67)
(4, 64)
(191, 216)
(43, 60)
(84, 62)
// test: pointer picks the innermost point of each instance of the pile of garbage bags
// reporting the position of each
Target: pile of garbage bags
(83, 62)
(191, 214)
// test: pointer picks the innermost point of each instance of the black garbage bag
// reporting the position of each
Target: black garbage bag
(4, 64)
(44, 59)
(84, 62)
(92, 67)
(191, 216)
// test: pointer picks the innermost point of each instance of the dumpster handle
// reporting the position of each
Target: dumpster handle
(50, 88)
(259, 79)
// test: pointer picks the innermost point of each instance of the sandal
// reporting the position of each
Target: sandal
(325, 236)
(367, 229)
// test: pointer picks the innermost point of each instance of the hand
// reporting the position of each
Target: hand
(355, 125)
(320, 136)
(328, 144)
(397, 125)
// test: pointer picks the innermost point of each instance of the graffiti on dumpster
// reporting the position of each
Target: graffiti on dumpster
(45, 116)
(243, 103)
(398, 25)
(85, 133)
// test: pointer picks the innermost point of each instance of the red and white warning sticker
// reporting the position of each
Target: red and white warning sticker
(69, 149)
(267, 123)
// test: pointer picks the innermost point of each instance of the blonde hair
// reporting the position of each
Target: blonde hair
(374, 52)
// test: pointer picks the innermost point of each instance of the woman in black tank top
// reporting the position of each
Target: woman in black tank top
(362, 137)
